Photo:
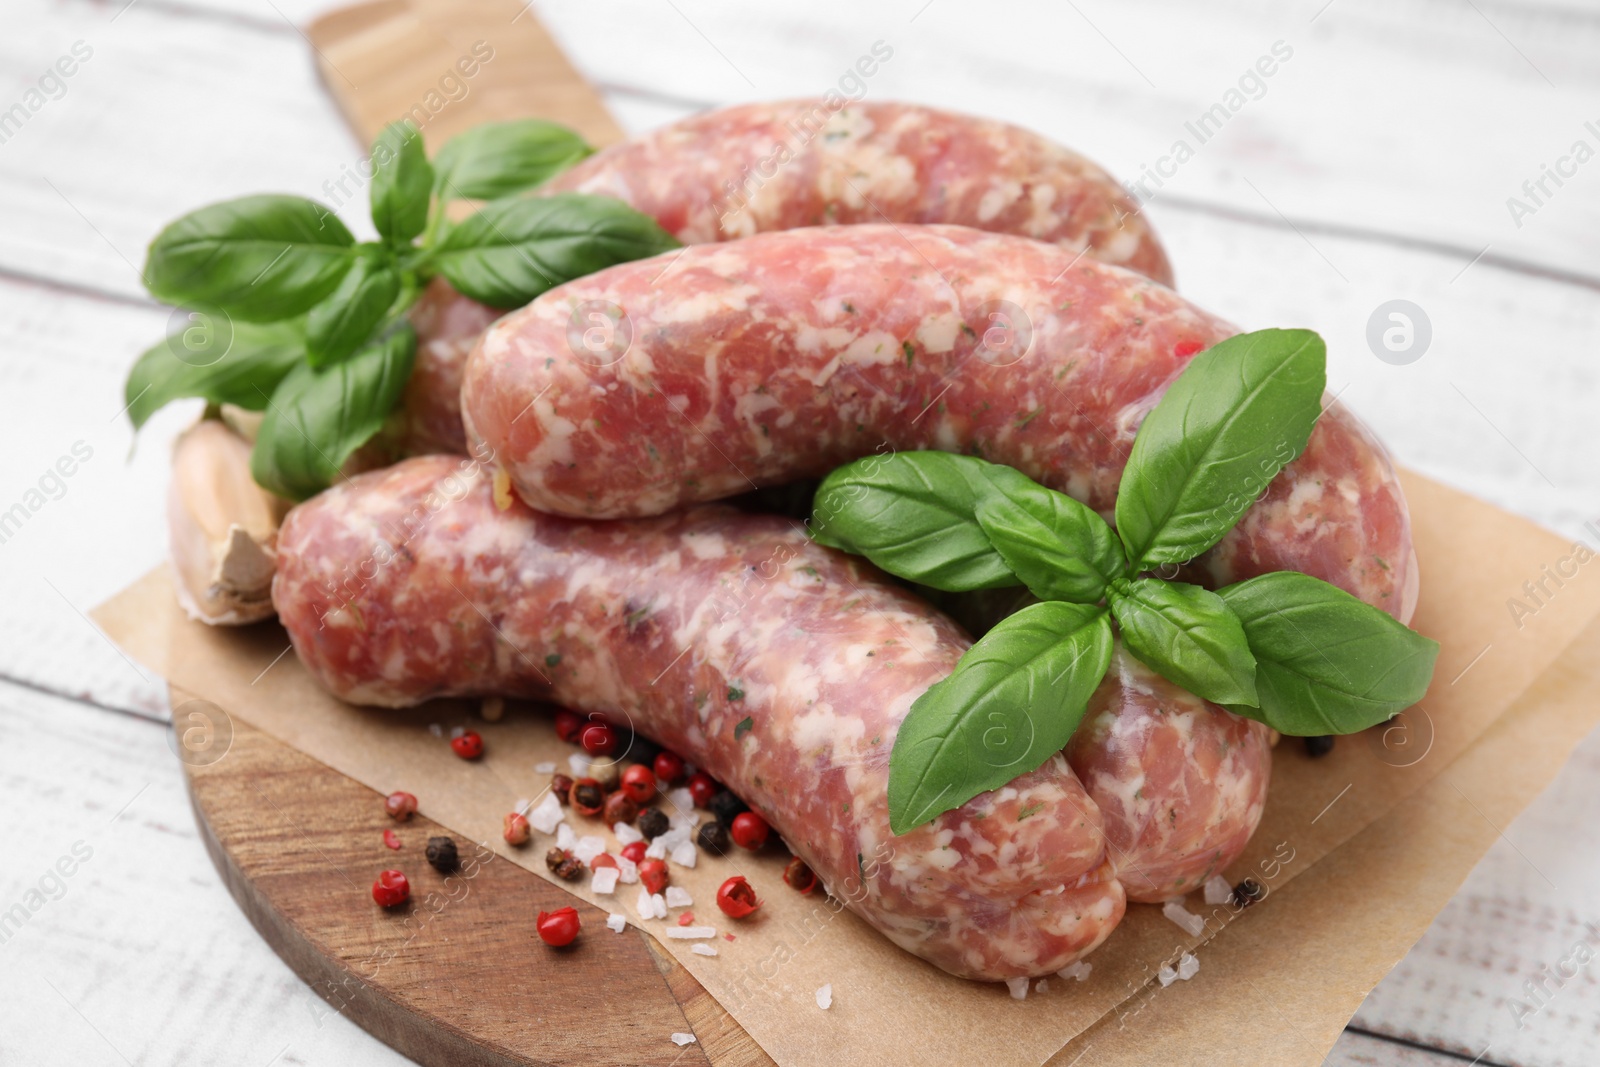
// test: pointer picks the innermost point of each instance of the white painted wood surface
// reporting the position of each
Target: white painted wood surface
(1376, 166)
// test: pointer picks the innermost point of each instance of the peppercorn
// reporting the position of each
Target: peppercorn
(725, 806)
(749, 831)
(639, 782)
(800, 877)
(391, 839)
(702, 787)
(605, 859)
(587, 796)
(653, 875)
(642, 750)
(442, 855)
(598, 739)
(653, 823)
(517, 830)
(619, 807)
(668, 766)
(713, 837)
(569, 724)
(563, 864)
(736, 898)
(1247, 893)
(1317, 747)
(557, 928)
(634, 851)
(400, 806)
(561, 785)
(606, 771)
(391, 889)
(467, 744)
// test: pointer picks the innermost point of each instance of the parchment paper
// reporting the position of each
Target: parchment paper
(1358, 850)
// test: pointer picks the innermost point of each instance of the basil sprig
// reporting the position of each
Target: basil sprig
(1286, 649)
(290, 315)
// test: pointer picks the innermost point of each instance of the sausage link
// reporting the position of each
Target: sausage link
(783, 355)
(408, 583)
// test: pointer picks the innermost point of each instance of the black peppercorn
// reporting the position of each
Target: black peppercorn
(725, 806)
(642, 750)
(563, 865)
(1247, 893)
(713, 837)
(1316, 747)
(442, 855)
(653, 823)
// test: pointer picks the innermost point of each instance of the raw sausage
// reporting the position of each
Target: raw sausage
(410, 583)
(865, 162)
(783, 355)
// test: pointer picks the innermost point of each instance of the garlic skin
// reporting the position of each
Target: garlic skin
(222, 528)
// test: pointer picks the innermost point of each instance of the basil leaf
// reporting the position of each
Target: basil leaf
(402, 182)
(501, 158)
(259, 258)
(1238, 414)
(345, 321)
(1187, 635)
(513, 250)
(1326, 662)
(317, 418)
(1010, 704)
(220, 361)
(911, 513)
(1060, 548)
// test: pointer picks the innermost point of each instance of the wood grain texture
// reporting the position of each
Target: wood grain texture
(456, 976)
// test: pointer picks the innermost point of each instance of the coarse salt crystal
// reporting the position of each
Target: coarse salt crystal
(657, 850)
(617, 921)
(1188, 966)
(1079, 970)
(587, 848)
(689, 933)
(1018, 987)
(677, 836)
(1166, 975)
(435, 729)
(628, 869)
(825, 997)
(659, 903)
(678, 897)
(685, 822)
(565, 838)
(1185, 918)
(1218, 891)
(682, 1039)
(644, 905)
(544, 768)
(702, 950)
(544, 815)
(1041, 986)
(457, 731)
(681, 799)
(684, 854)
(604, 880)
(626, 833)
(579, 762)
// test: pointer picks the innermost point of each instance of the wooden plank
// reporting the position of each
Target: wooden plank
(138, 955)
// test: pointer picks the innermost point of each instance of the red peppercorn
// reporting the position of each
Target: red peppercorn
(702, 787)
(619, 807)
(639, 782)
(800, 877)
(468, 745)
(561, 786)
(749, 830)
(653, 875)
(569, 724)
(736, 898)
(391, 839)
(686, 919)
(517, 831)
(391, 889)
(598, 739)
(634, 852)
(605, 859)
(400, 806)
(559, 927)
(587, 796)
(1186, 348)
(669, 766)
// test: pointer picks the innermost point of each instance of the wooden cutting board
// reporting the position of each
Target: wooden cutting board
(457, 977)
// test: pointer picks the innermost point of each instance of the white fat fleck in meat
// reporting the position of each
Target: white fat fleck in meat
(997, 199)
(937, 333)
(1305, 504)
(873, 348)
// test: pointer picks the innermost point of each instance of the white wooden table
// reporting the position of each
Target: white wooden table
(1373, 165)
